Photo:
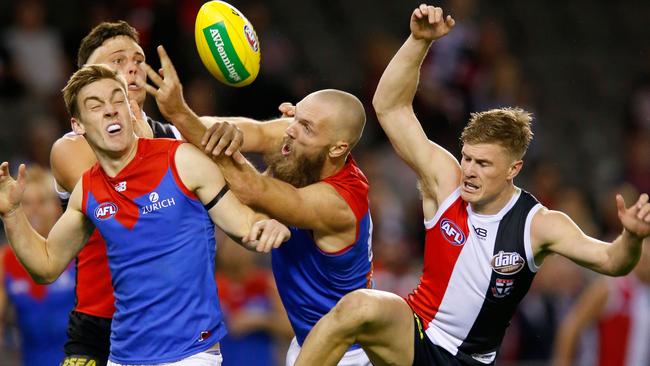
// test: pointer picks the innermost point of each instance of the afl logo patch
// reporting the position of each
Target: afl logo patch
(507, 263)
(153, 197)
(250, 36)
(452, 233)
(105, 211)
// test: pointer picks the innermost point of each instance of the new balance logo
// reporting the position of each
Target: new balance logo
(480, 232)
(121, 186)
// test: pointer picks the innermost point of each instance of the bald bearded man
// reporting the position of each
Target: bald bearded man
(314, 187)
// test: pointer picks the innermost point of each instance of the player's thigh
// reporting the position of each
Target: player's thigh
(387, 336)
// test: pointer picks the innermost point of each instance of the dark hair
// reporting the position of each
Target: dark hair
(100, 34)
(86, 75)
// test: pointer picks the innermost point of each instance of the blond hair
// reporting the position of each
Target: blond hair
(82, 77)
(509, 127)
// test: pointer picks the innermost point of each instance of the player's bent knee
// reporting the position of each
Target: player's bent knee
(357, 308)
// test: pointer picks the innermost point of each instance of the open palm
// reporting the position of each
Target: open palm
(11, 191)
(429, 23)
(636, 218)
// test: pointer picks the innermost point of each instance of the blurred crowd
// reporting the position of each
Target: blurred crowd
(487, 61)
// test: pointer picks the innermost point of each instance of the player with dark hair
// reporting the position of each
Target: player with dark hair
(116, 46)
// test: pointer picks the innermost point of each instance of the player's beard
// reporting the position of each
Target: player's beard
(299, 171)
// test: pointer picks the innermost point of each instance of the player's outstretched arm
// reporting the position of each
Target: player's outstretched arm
(585, 312)
(317, 206)
(228, 132)
(248, 228)
(555, 232)
(393, 103)
(44, 259)
(261, 136)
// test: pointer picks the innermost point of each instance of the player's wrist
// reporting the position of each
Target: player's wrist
(629, 235)
(11, 213)
(181, 113)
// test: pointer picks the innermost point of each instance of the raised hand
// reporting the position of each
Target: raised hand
(287, 109)
(169, 90)
(11, 191)
(636, 218)
(428, 23)
(220, 135)
(140, 126)
(266, 235)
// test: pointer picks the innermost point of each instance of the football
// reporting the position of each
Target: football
(227, 43)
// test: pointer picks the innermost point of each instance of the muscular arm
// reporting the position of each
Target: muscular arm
(202, 176)
(46, 259)
(436, 168)
(318, 206)
(586, 311)
(554, 232)
(169, 96)
(259, 136)
(70, 157)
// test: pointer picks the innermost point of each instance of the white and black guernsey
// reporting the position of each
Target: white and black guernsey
(477, 268)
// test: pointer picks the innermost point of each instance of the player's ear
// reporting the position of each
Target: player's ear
(338, 149)
(515, 168)
(77, 127)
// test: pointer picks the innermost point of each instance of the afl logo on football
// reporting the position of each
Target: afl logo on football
(250, 36)
(507, 263)
(105, 211)
(153, 197)
(452, 233)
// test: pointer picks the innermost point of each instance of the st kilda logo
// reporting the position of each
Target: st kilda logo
(507, 263)
(105, 211)
(451, 232)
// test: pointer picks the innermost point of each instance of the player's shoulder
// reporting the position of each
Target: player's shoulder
(349, 175)
(155, 145)
(71, 142)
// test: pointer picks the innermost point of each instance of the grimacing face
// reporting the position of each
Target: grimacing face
(487, 170)
(124, 55)
(305, 146)
(104, 117)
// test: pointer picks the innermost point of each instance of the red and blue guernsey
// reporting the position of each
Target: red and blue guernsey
(41, 311)
(311, 281)
(160, 245)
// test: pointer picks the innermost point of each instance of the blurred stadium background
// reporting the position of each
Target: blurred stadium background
(582, 67)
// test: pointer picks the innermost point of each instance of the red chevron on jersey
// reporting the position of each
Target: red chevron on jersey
(139, 177)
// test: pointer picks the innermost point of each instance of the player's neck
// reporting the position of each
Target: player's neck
(113, 163)
(331, 167)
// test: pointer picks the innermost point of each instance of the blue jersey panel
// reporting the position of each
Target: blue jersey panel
(311, 282)
(163, 275)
